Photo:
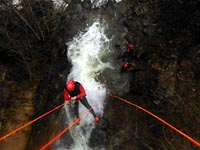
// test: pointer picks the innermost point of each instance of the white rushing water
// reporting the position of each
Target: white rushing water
(89, 55)
(99, 3)
(85, 52)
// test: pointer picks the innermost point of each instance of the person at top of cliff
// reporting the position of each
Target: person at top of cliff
(75, 92)
(129, 54)
(127, 67)
(130, 49)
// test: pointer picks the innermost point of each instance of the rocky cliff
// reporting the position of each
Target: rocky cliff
(166, 37)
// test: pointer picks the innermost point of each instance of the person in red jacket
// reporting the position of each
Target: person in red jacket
(127, 67)
(129, 54)
(74, 91)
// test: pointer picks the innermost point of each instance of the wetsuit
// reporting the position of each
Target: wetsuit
(79, 92)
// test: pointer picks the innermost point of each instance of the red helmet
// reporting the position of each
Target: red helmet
(131, 46)
(125, 65)
(70, 85)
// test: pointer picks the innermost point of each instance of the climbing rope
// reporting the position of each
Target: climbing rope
(30, 122)
(86, 112)
(60, 134)
(158, 118)
(69, 126)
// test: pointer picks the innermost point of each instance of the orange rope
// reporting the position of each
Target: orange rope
(59, 135)
(68, 127)
(158, 118)
(27, 124)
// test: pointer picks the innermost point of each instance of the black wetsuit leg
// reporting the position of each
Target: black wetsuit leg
(76, 111)
(84, 101)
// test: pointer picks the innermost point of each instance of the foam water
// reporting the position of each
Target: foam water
(99, 3)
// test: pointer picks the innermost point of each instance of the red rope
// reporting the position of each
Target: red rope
(59, 135)
(158, 118)
(30, 122)
(68, 127)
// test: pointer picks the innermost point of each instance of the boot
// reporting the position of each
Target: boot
(96, 119)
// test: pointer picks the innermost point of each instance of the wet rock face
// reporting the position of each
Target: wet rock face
(16, 107)
(185, 20)
(49, 94)
(165, 32)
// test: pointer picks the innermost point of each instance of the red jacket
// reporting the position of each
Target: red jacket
(79, 92)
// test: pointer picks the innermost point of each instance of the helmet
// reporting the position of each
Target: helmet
(125, 65)
(131, 46)
(70, 85)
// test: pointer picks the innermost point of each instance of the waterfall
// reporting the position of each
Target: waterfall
(85, 52)
(98, 3)
(89, 53)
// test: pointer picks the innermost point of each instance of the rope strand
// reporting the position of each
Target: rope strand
(158, 118)
(30, 122)
(69, 127)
